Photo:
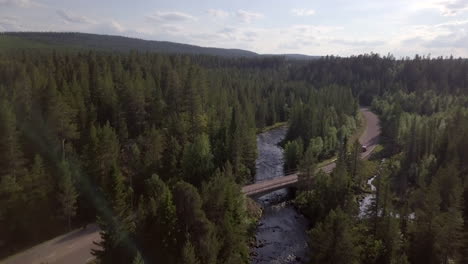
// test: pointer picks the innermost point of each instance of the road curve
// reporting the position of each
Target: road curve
(369, 138)
(75, 247)
(72, 248)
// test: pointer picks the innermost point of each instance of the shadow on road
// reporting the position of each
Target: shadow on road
(78, 233)
(374, 141)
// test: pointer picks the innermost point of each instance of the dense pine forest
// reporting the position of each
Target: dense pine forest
(419, 211)
(154, 148)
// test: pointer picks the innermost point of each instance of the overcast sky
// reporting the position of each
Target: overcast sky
(314, 27)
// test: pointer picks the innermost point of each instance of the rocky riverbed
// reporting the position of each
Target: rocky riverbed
(281, 235)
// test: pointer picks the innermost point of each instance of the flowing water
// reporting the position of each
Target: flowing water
(282, 231)
(364, 204)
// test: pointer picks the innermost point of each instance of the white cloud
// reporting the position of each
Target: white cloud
(307, 39)
(303, 12)
(445, 7)
(219, 13)
(171, 17)
(430, 32)
(358, 43)
(17, 3)
(247, 16)
(10, 23)
(441, 39)
(172, 29)
(114, 26)
(70, 18)
(453, 8)
(453, 34)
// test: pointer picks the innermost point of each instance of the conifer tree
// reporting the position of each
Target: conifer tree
(117, 224)
(67, 195)
(188, 254)
(334, 240)
(156, 222)
(192, 219)
(197, 160)
(11, 156)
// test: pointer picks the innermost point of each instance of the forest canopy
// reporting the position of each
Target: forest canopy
(155, 147)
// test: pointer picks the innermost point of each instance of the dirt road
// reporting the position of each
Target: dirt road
(72, 248)
(75, 247)
(369, 138)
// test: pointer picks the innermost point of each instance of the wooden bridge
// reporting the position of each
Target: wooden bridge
(369, 138)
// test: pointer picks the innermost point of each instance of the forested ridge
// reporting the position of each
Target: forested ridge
(155, 148)
(106, 43)
(81, 42)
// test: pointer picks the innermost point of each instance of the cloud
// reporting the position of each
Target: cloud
(247, 16)
(218, 13)
(358, 43)
(227, 30)
(205, 36)
(172, 29)
(452, 34)
(448, 41)
(17, 3)
(445, 7)
(70, 18)
(175, 16)
(452, 8)
(441, 39)
(310, 30)
(303, 12)
(298, 44)
(293, 38)
(113, 26)
(10, 23)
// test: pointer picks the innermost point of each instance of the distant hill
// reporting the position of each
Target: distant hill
(111, 43)
(85, 41)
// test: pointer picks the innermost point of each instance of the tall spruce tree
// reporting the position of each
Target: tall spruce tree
(67, 195)
(117, 224)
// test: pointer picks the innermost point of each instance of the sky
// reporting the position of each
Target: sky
(314, 27)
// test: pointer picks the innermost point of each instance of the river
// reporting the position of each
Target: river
(367, 200)
(282, 231)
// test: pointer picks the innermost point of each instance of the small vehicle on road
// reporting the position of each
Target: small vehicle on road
(363, 148)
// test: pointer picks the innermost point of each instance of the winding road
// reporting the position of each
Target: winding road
(71, 248)
(75, 247)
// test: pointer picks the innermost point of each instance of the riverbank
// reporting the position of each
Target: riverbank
(280, 235)
(268, 128)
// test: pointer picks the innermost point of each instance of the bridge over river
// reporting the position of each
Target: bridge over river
(369, 138)
(74, 247)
